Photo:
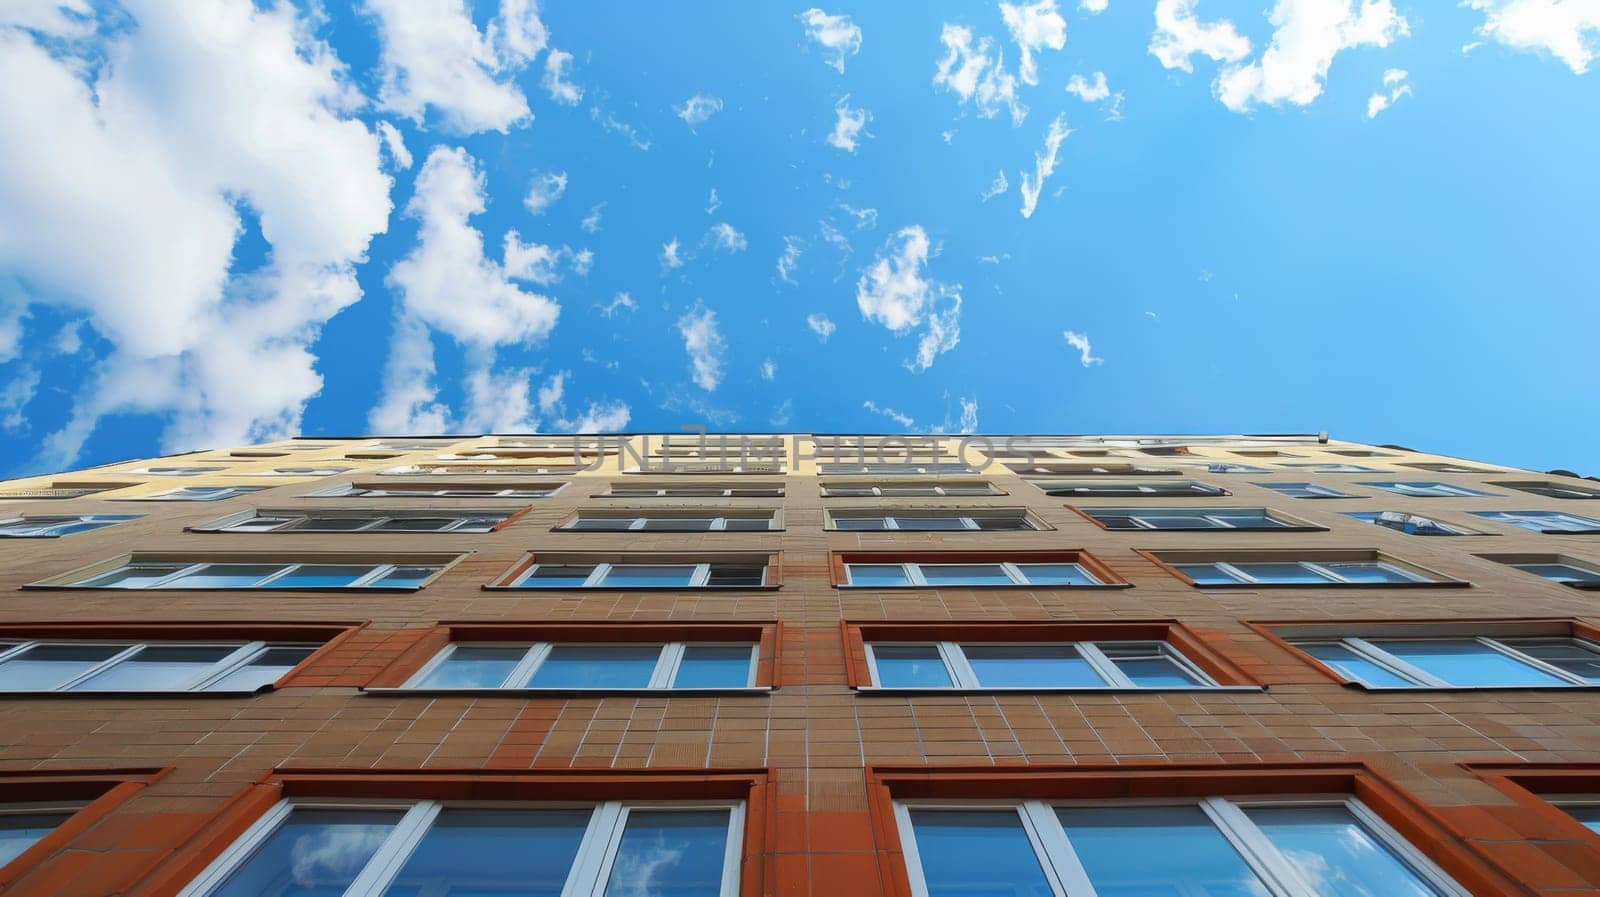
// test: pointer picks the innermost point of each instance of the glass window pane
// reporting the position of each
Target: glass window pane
(20, 831)
(678, 524)
(737, 575)
(224, 576)
(1031, 666)
(910, 666)
(415, 524)
(1588, 815)
(133, 576)
(1170, 520)
(1148, 665)
(1560, 572)
(1335, 855)
(602, 524)
(877, 575)
(1281, 572)
(157, 668)
(1372, 572)
(1137, 851)
(929, 523)
(670, 853)
(474, 666)
(858, 523)
(965, 575)
(1355, 666)
(334, 524)
(714, 666)
(527, 853)
(314, 853)
(321, 576)
(597, 666)
(405, 576)
(1207, 574)
(266, 668)
(44, 667)
(1466, 662)
(950, 844)
(1057, 575)
(1568, 655)
(556, 576)
(749, 524)
(634, 576)
(1004, 523)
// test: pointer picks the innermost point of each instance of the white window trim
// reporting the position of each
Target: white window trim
(591, 866)
(1210, 515)
(40, 530)
(242, 656)
(378, 571)
(1067, 877)
(964, 678)
(1431, 490)
(969, 521)
(718, 523)
(933, 489)
(351, 490)
(669, 660)
(1174, 489)
(1376, 654)
(377, 519)
(699, 578)
(1319, 569)
(912, 570)
(1540, 521)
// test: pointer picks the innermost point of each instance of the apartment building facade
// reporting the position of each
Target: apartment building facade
(794, 665)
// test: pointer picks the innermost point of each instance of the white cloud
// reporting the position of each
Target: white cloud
(969, 415)
(447, 283)
(1394, 87)
(618, 302)
(1307, 36)
(609, 122)
(703, 342)
(792, 248)
(713, 203)
(895, 292)
(19, 390)
(903, 420)
(996, 187)
(544, 190)
(432, 55)
(847, 128)
(782, 414)
(1034, 26)
(601, 417)
(698, 109)
(1180, 34)
(1569, 30)
(550, 393)
(1093, 7)
(557, 68)
(591, 221)
(866, 219)
(968, 71)
(168, 134)
(1089, 91)
(1044, 165)
(769, 370)
(395, 145)
(541, 264)
(722, 236)
(1080, 341)
(835, 33)
(821, 326)
(669, 255)
(69, 339)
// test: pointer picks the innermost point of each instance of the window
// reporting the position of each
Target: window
(50, 526)
(103, 666)
(1460, 662)
(1445, 467)
(1007, 665)
(159, 572)
(724, 467)
(414, 445)
(1264, 453)
(1305, 490)
(1554, 522)
(925, 574)
(1428, 490)
(1067, 469)
(304, 446)
(1284, 567)
(1585, 810)
(1359, 453)
(426, 490)
(932, 519)
(897, 489)
(61, 490)
(305, 471)
(1190, 519)
(1214, 846)
(662, 575)
(674, 521)
(476, 470)
(1554, 490)
(1113, 489)
(1230, 467)
(326, 521)
(568, 665)
(305, 847)
(170, 471)
(200, 493)
(1410, 524)
(888, 468)
(700, 490)
(1554, 567)
(23, 825)
(1331, 467)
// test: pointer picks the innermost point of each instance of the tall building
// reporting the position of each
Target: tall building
(800, 666)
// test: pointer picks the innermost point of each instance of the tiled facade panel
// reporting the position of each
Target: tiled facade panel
(815, 734)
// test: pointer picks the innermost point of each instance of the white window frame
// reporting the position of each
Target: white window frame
(591, 866)
(668, 492)
(1557, 562)
(934, 489)
(699, 578)
(1137, 515)
(718, 522)
(1067, 877)
(1331, 467)
(1541, 519)
(1311, 490)
(964, 678)
(893, 468)
(1232, 467)
(351, 490)
(669, 660)
(306, 471)
(38, 531)
(1544, 488)
(174, 470)
(970, 522)
(1373, 652)
(1433, 489)
(378, 519)
(378, 571)
(1449, 528)
(1071, 489)
(242, 656)
(1316, 567)
(1013, 571)
(192, 493)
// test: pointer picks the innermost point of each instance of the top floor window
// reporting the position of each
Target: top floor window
(1550, 489)
(737, 570)
(1554, 567)
(1064, 468)
(359, 521)
(60, 490)
(1230, 467)
(176, 471)
(908, 488)
(1305, 490)
(1445, 467)
(1126, 489)
(1428, 489)
(726, 520)
(693, 490)
(893, 468)
(50, 526)
(1410, 524)
(1330, 467)
(1191, 519)
(306, 471)
(430, 490)
(1360, 453)
(732, 465)
(476, 470)
(1552, 522)
(414, 445)
(200, 493)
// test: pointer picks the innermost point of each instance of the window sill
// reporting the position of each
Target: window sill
(1072, 690)
(665, 532)
(1221, 530)
(1437, 584)
(754, 691)
(1095, 586)
(1447, 689)
(265, 590)
(86, 693)
(495, 588)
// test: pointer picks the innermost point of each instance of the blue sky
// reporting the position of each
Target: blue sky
(223, 222)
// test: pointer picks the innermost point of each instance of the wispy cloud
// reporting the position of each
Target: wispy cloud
(670, 257)
(713, 202)
(620, 302)
(1080, 341)
(591, 221)
(557, 66)
(849, 125)
(837, 34)
(1394, 87)
(792, 248)
(703, 342)
(698, 109)
(821, 326)
(609, 122)
(1044, 165)
(544, 190)
(970, 72)
(904, 420)
(1034, 26)
(997, 187)
(723, 237)
(896, 292)
(769, 370)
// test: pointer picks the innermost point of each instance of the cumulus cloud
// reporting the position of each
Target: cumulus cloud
(1034, 26)
(557, 68)
(544, 190)
(167, 134)
(970, 72)
(1569, 30)
(847, 128)
(792, 248)
(821, 326)
(1180, 34)
(1394, 87)
(703, 343)
(896, 292)
(837, 34)
(1044, 165)
(1080, 342)
(432, 55)
(998, 186)
(1093, 7)
(904, 420)
(724, 238)
(698, 109)
(1308, 35)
